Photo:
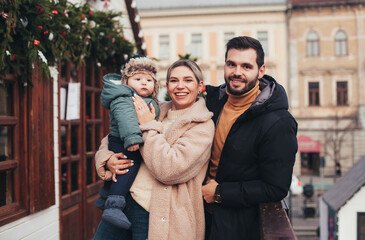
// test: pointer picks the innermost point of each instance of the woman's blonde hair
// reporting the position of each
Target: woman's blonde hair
(187, 63)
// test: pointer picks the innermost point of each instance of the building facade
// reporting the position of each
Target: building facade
(202, 28)
(326, 82)
(313, 48)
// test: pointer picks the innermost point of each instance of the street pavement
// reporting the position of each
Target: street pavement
(306, 225)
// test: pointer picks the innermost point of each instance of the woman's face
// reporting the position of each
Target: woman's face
(183, 87)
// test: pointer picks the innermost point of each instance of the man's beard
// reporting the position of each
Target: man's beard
(249, 85)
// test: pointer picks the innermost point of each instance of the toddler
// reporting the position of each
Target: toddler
(138, 77)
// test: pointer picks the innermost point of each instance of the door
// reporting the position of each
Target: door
(83, 122)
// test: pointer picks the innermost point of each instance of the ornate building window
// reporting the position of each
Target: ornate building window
(312, 44)
(164, 47)
(228, 36)
(361, 225)
(263, 37)
(196, 45)
(342, 96)
(341, 43)
(313, 93)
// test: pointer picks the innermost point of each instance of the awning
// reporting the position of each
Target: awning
(307, 144)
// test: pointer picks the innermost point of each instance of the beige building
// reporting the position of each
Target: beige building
(202, 28)
(313, 48)
(327, 42)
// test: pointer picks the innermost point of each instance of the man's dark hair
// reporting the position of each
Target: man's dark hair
(244, 42)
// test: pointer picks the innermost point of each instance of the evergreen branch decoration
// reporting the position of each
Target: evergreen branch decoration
(46, 32)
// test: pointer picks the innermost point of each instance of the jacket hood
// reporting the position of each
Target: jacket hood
(113, 89)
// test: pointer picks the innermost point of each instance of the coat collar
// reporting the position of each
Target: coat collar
(197, 113)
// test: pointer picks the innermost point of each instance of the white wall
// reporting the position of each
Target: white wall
(347, 216)
(323, 219)
(44, 224)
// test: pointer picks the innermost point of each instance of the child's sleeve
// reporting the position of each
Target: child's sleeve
(123, 111)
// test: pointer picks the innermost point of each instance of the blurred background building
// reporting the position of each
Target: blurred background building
(327, 82)
(202, 28)
(313, 48)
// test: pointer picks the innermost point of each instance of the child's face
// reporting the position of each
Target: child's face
(143, 84)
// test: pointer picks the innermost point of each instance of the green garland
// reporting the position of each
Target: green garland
(47, 32)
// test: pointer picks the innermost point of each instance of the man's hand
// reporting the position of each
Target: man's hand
(208, 191)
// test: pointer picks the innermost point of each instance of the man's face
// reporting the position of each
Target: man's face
(241, 71)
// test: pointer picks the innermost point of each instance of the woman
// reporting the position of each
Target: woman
(176, 151)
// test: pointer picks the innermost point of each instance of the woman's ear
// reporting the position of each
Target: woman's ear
(200, 86)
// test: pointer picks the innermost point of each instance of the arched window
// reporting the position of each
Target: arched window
(341, 43)
(312, 44)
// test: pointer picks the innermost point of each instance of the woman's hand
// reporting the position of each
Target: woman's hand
(118, 164)
(144, 114)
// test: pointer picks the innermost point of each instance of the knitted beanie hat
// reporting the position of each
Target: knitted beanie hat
(141, 65)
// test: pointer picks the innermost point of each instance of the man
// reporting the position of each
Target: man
(254, 145)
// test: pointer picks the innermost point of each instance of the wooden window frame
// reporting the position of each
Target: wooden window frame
(341, 44)
(359, 216)
(263, 37)
(164, 46)
(197, 45)
(313, 49)
(342, 93)
(18, 207)
(33, 159)
(314, 94)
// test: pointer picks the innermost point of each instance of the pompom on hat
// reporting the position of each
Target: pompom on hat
(141, 64)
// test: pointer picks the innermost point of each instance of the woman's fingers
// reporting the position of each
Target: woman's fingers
(139, 103)
(124, 164)
(153, 111)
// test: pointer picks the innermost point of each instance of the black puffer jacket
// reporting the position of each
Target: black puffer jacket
(256, 161)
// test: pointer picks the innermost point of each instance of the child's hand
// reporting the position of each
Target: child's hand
(133, 148)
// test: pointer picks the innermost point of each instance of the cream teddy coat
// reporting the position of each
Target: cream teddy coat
(178, 159)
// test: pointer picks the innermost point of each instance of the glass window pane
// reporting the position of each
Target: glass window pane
(361, 225)
(6, 187)
(73, 73)
(228, 36)
(89, 138)
(97, 105)
(6, 98)
(264, 40)
(63, 141)
(97, 80)
(74, 176)
(196, 45)
(97, 135)
(63, 71)
(337, 48)
(342, 93)
(64, 179)
(74, 140)
(313, 93)
(315, 49)
(88, 105)
(164, 47)
(6, 143)
(344, 48)
(88, 75)
(89, 170)
(312, 44)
